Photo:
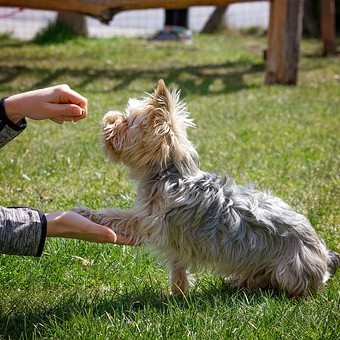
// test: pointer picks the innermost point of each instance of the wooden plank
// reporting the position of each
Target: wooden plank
(328, 27)
(284, 41)
(104, 10)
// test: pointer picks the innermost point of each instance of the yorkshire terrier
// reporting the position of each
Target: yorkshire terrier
(198, 221)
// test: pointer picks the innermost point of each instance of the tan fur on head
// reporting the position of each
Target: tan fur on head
(150, 133)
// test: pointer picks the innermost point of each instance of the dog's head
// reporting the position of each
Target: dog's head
(151, 134)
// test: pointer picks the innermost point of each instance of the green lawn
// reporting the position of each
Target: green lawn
(285, 139)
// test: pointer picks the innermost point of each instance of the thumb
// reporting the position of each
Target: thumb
(122, 239)
(110, 236)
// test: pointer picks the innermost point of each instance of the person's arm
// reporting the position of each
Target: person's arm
(68, 224)
(57, 103)
(23, 230)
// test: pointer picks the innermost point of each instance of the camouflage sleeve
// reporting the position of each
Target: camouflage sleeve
(8, 130)
(22, 231)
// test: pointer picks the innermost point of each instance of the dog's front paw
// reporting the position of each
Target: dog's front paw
(86, 212)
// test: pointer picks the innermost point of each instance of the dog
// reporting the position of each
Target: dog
(198, 221)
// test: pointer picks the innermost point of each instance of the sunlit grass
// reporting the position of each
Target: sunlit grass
(285, 139)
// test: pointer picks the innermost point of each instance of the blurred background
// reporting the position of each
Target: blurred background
(26, 23)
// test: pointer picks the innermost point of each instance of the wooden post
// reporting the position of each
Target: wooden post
(285, 29)
(328, 27)
(215, 21)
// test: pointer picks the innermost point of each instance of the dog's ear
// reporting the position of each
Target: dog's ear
(161, 89)
(163, 101)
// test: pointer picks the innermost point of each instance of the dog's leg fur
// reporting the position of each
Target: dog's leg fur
(126, 222)
(88, 213)
(179, 280)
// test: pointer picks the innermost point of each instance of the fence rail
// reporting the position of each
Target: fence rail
(104, 10)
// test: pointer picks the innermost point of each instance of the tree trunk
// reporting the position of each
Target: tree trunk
(75, 22)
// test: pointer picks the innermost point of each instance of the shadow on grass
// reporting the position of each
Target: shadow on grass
(129, 303)
(193, 79)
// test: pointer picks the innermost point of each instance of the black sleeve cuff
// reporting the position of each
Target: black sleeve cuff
(43, 233)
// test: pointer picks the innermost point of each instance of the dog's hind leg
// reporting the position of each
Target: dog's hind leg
(179, 280)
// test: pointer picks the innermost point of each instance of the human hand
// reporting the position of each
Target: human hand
(68, 224)
(57, 103)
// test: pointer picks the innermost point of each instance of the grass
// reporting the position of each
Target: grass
(282, 138)
(55, 32)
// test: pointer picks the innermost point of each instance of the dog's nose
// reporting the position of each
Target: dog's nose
(111, 117)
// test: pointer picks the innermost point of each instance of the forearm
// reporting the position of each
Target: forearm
(22, 231)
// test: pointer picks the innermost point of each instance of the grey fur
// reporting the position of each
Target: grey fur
(252, 236)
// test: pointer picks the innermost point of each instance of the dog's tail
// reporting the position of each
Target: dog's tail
(333, 261)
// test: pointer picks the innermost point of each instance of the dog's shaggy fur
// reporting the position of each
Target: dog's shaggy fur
(198, 221)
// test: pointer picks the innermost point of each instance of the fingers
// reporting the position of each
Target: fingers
(67, 112)
(61, 113)
(66, 105)
(124, 240)
(103, 234)
(64, 94)
(68, 224)
(107, 235)
(58, 103)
